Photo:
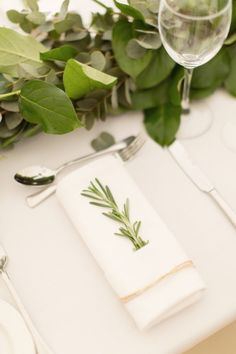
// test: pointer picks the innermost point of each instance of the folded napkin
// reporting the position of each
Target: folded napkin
(153, 282)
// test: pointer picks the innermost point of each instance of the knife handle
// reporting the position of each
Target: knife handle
(225, 207)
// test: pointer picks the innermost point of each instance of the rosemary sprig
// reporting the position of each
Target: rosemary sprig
(102, 196)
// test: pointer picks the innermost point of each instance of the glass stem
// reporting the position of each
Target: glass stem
(188, 74)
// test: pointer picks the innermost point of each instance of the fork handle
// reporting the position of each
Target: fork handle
(35, 199)
(40, 346)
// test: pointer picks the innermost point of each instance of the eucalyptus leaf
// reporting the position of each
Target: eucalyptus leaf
(64, 9)
(103, 141)
(5, 132)
(62, 53)
(98, 60)
(87, 104)
(80, 79)
(134, 50)
(12, 120)
(162, 123)
(15, 16)
(27, 71)
(67, 24)
(36, 17)
(89, 120)
(11, 106)
(122, 34)
(45, 104)
(32, 4)
(77, 36)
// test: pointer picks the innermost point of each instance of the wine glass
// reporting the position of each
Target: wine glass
(193, 32)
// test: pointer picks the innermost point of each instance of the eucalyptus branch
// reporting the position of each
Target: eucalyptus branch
(102, 196)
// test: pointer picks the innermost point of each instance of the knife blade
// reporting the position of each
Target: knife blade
(194, 173)
(184, 161)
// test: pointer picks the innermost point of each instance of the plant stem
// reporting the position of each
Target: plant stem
(101, 196)
(13, 93)
(186, 90)
(101, 4)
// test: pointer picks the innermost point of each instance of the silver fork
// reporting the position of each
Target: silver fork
(125, 154)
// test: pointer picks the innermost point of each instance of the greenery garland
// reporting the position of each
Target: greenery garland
(64, 75)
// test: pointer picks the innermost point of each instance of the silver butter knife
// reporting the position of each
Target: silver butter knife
(191, 170)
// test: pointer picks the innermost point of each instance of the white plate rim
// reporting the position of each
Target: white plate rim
(13, 324)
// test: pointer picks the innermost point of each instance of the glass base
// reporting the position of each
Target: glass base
(229, 136)
(195, 123)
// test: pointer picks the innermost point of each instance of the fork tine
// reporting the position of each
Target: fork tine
(130, 151)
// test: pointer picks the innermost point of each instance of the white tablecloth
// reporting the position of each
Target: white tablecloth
(58, 280)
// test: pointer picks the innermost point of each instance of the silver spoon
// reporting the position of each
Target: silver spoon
(40, 175)
(40, 345)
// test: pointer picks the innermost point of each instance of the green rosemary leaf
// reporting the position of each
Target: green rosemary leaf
(97, 191)
(108, 192)
(126, 209)
(111, 216)
(100, 205)
(100, 185)
(90, 196)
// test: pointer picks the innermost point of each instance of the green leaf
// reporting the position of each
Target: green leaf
(15, 16)
(64, 9)
(233, 21)
(12, 120)
(68, 23)
(231, 39)
(153, 97)
(32, 4)
(36, 17)
(121, 35)
(11, 106)
(15, 49)
(162, 123)
(197, 94)
(213, 73)
(45, 104)
(230, 82)
(129, 10)
(80, 79)
(103, 141)
(158, 70)
(62, 53)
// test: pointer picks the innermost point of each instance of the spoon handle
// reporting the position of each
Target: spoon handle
(40, 345)
(37, 198)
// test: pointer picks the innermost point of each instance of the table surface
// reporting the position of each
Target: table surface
(58, 280)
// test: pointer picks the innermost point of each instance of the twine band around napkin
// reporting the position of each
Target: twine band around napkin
(173, 271)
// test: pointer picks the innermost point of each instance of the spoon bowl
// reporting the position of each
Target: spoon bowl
(35, 176)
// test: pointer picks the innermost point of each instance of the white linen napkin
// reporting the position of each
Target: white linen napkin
(153, 282)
